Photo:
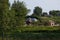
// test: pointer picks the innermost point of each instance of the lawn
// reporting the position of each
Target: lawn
(37, 28)
(34, 33)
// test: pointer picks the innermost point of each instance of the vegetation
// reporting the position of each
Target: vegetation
(12, 22)
(31, 36)
(37, 11)
(37, 28)
(12, 18)
(54, 13)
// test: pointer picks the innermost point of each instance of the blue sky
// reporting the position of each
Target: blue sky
(46, 5)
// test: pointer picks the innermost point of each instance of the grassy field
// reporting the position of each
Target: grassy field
(33, 33)
(37, 28)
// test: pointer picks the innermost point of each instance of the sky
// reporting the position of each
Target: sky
(46, 5)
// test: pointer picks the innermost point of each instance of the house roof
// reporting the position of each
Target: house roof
(31, 17)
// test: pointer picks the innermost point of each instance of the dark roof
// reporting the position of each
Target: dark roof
(31, 17)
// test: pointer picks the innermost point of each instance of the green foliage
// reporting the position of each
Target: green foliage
(32, 36)
(19, 8)
(37, 11)
(11, 19)
(44, 14)
(54, 13)
(20, 12)
(4, 17)
(37, 28)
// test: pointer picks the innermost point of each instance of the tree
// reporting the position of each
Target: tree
(44, 14)
(4, 11)
(4, 18)
(20, 12)
(37, 11)
(54, 12)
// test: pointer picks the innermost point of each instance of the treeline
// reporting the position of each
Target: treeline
(38, 11)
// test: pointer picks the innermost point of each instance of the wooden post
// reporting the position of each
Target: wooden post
(2, 35)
